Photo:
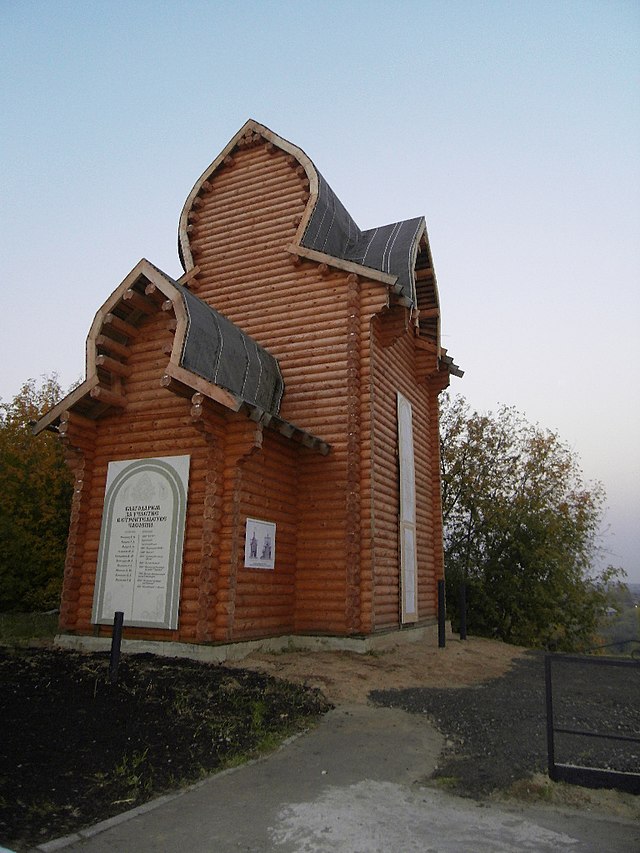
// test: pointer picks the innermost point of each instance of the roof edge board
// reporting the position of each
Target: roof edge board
(415, 248)
(143, 268)
(434, 281)
(202, 386)
(64, 405)
(339, 263)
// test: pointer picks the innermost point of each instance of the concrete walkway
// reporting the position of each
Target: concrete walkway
(352, 785)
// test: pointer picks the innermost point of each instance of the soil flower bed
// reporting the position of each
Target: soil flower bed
(76, 749)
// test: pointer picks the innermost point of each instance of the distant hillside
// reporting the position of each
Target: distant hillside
(621, 626)
(634, 589)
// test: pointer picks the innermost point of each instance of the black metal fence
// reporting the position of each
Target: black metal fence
(593, 720)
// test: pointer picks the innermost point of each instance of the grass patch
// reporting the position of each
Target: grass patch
(447, 783)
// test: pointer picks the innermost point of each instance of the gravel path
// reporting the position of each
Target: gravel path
(496, 732)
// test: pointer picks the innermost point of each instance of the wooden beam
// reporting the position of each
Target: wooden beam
(175, 386)
(74, 418)
(424, 274)
(152, 290)
(139, 302)
(103, 395)
(121, 326)
(429, 313)
(113, 366)
(115, 347)
(194, 383)
(186, 278)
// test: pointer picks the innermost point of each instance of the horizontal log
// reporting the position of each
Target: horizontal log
(424, 274)
(274, 315)
(259, 162)
(114, 347)
(252, 192)
(75, 419)
(108, 397)
(127, 329)
(112, 365)
(216, 274)
(139, 302)
(277, 213)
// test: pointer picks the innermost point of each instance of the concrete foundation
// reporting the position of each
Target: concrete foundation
(236, 651)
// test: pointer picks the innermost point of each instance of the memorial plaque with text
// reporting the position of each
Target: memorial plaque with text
(141, 540)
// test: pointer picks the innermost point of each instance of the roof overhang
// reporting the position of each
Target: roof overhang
(251, 380)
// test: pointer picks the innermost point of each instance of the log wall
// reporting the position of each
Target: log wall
(309, 319)
(265, 487)
(394, 370)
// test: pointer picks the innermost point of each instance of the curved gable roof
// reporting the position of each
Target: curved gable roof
(236, 370)
(387, 253)
(220, 352)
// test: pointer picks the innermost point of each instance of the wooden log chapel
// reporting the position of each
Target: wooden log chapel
(255, 446)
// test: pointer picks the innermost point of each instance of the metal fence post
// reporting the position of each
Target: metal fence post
(551, 757)
(463, 611)
(116, 640)
(441, 615)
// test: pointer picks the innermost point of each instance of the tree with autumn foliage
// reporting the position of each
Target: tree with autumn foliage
(35, 499)
(521, 528)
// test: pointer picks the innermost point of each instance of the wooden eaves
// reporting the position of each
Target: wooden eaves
(144, 291)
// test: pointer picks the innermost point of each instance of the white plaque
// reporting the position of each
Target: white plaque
(260, 544)
(140, 556)
(408, 549)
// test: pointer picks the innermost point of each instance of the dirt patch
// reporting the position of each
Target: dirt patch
(77, 749)
(486, 698)
(350, 677)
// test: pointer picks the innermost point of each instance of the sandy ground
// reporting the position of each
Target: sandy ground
(349, 677)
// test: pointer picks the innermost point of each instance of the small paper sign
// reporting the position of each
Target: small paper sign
(260, 544)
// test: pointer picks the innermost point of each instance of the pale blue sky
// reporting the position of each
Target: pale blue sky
(513, 127)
